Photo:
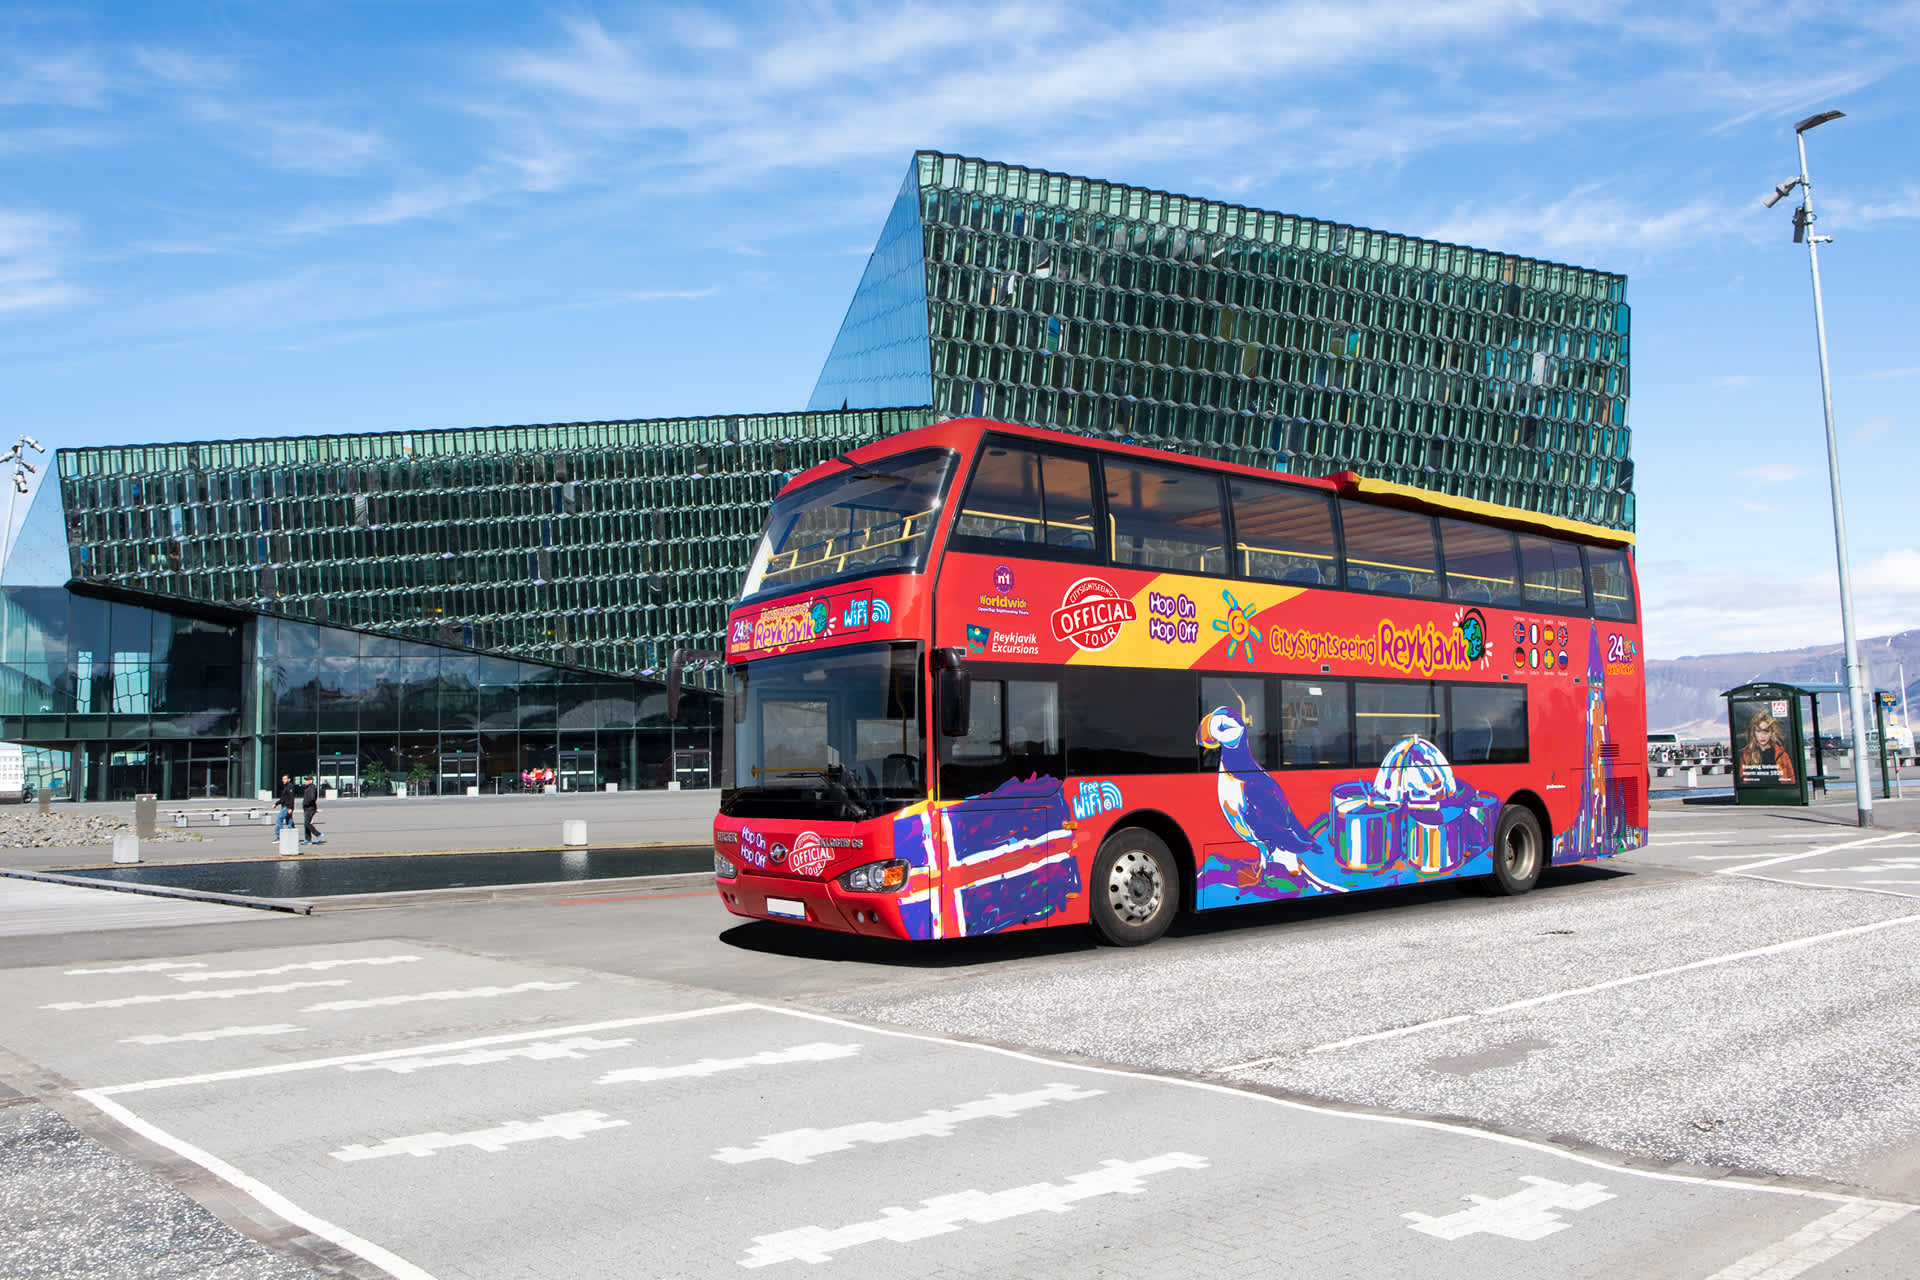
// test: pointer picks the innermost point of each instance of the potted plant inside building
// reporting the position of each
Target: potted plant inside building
(375, 779)
(419, 777)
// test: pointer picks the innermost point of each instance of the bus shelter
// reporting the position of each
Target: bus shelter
(1769, 742)
(1769, 738)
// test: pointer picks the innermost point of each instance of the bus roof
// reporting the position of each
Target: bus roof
(960, 433)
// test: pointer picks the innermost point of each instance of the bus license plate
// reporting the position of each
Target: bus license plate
(790, 907)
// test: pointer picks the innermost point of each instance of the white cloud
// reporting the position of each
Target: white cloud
(30, 261)
(182, 69)
(1691, 610)
(1765, 508)
(1771, 473)
(71, 78)
(1731, 380)
(1876, 427)
(1894, 373)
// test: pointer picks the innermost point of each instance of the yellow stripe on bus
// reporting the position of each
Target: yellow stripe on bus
(1492, 510)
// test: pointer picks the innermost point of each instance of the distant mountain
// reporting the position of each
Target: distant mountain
(1683, 694)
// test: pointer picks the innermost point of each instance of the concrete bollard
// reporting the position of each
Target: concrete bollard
(1693, 775)
(126, 848)
(146, 808)
(550, 788)
(473, 791)
(44, 801)
(573, 832)
(613, 786)
(673, 784)
(290, 842)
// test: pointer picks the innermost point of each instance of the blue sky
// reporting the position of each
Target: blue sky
(234, 219)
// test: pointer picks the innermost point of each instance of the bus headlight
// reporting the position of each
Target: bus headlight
(723, 868)
(876, 877)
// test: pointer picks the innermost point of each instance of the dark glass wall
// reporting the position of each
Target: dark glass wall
(114, 699)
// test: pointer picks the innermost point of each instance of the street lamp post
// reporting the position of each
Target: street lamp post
(1803, 221)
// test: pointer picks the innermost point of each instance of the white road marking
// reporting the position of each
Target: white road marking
(800, 1146)
(231, 993)
(1719, 857)
(1671, 844)
(1750, 954)
(1810, 853)
(539, 1051)
(387, 1260)
(817, 1052)
(383, 1055)
(156, 966)
(568, 1125)
(1801, 836)
(314, 966)
(943, 1214)
(404, 1270)
(219, 1033)
(1524, 1215)
(467, 993)
(1814, 1243)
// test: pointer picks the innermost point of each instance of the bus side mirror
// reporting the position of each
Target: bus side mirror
(956, 692)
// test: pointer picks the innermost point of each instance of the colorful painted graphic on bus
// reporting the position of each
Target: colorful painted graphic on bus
(1006, 859)
(1414, 820)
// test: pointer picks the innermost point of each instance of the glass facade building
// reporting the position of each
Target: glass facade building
(1267, 338)
(113, 697)
(497, 607)
(603, 545)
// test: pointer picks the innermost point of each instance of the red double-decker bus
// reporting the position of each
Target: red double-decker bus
(986, 677)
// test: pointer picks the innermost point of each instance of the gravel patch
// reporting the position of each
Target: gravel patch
(72, 1210)
(27, 828)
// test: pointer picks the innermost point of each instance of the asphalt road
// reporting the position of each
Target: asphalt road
(1698, 1062)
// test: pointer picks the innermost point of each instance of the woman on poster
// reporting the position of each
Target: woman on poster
(1765, 757)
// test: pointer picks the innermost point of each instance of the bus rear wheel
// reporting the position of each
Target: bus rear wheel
(1519, 852)
(1135, 890)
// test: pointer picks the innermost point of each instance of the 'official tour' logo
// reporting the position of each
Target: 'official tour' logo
(1090, 614)
(810, 854)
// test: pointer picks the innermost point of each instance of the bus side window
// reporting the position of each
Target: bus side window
(1489, 724)
(1384, 714)
(1315, 731)
(1030, 498)
(1481, 565)
(1122, 721)
(1390, 551)
(1014, 732)
(1003, 502)
(1284, 533)
(1246, 698)
(1552, 574)
(1611, 580)
(1165, 518)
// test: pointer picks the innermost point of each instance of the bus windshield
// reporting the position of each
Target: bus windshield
(874, 518)
(832, 735)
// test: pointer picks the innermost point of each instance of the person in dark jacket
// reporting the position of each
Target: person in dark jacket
(283, 812)
(309, 805)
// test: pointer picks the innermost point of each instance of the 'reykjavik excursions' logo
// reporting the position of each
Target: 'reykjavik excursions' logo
(1090, 614)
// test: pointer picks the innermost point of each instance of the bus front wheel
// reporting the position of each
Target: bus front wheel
(1135, 889)
(1519, 853)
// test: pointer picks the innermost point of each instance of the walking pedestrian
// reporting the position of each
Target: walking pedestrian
(283, 808)
(309, 805)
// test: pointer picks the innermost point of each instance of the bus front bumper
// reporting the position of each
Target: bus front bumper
(823, 904)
